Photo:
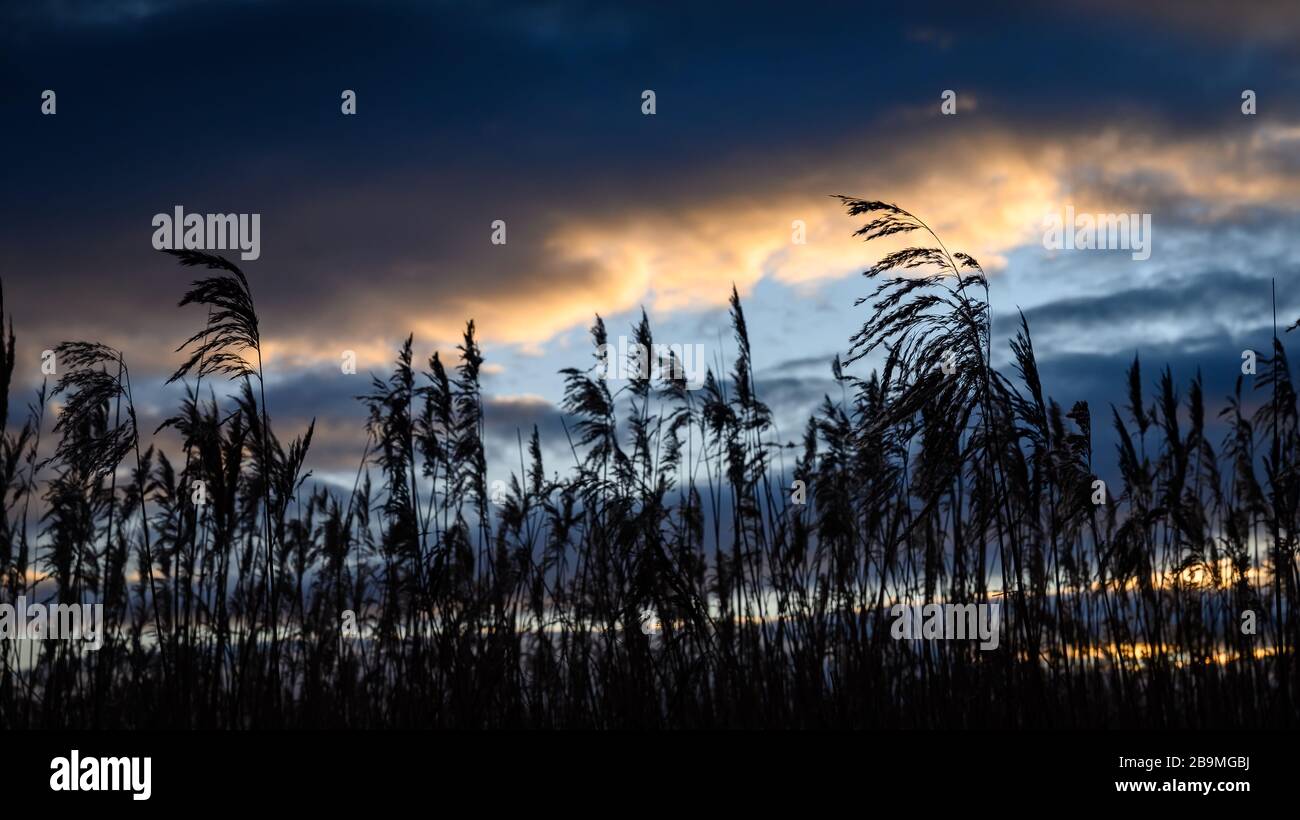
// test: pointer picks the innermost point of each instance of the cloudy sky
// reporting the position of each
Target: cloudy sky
(379, 224)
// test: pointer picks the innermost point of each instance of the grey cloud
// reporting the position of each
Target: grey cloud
(1203, 307)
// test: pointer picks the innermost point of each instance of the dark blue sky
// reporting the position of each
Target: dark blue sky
(377, 225)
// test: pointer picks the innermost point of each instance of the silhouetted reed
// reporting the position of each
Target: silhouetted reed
(674, 574)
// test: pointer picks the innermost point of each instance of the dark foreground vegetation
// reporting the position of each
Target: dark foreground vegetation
(665, 576)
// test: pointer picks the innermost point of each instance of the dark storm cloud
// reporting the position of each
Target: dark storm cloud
(470, 114)
(378, 225)
(1201, 307)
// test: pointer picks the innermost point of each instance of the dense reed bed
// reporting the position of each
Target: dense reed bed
(672, 573)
